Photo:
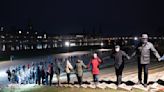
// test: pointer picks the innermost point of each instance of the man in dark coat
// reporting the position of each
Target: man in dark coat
(43, 75)
(118, 57)
(38, 75)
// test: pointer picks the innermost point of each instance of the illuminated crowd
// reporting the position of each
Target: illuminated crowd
(43, 72)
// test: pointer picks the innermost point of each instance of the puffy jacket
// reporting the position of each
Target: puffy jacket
(95, 62)
(68, 67)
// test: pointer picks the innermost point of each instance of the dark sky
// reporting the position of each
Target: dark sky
(112, 17)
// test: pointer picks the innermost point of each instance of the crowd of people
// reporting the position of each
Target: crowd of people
(43, 72)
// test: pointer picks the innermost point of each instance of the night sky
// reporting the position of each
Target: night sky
(111, 17)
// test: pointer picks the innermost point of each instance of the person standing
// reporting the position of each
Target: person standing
(58, 70)
(38, 75)
(79, 70)
(9, 74)
(51, 73)
(143, 54)
(95, 62)
(43, 75)
(68, 68)
(118, 56)
(13, 76)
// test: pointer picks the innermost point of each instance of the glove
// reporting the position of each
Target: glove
(159, 59)
(162, 58)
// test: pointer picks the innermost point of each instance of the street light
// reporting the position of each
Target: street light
(136, 41)
(20, 32)
(135, 38)
(67, 43)
(102, 44)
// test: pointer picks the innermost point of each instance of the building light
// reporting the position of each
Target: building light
(10, 40)
(2, 36)
(11, 37)
(3, 47)
(72, 44)
(2, 28)
(39, 37)
(25, 47)
(36, 32)
(20, 32)
(12, 48)
(135, 38)
(32, 47)
(17, 47)
(45, 36)
(27, 32)
(79, 36)
(39, 46)
(67, 43)
(154, 37)
(45, 46)
(102, 44)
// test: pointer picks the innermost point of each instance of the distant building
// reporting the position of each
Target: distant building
(31, 40)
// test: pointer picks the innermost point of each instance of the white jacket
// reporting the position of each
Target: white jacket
(68, 67)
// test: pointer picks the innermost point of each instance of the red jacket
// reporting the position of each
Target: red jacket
(95, 63)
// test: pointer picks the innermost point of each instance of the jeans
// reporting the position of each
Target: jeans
(68, 78)
(79, 78)
(119, 71)
(95, 78)
(145, 66)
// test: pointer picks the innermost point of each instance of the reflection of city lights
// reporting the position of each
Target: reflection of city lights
(67, 43)
(135, 38)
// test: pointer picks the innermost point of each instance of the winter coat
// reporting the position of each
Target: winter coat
(68, 67)
(95, 62)
(79, 67)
